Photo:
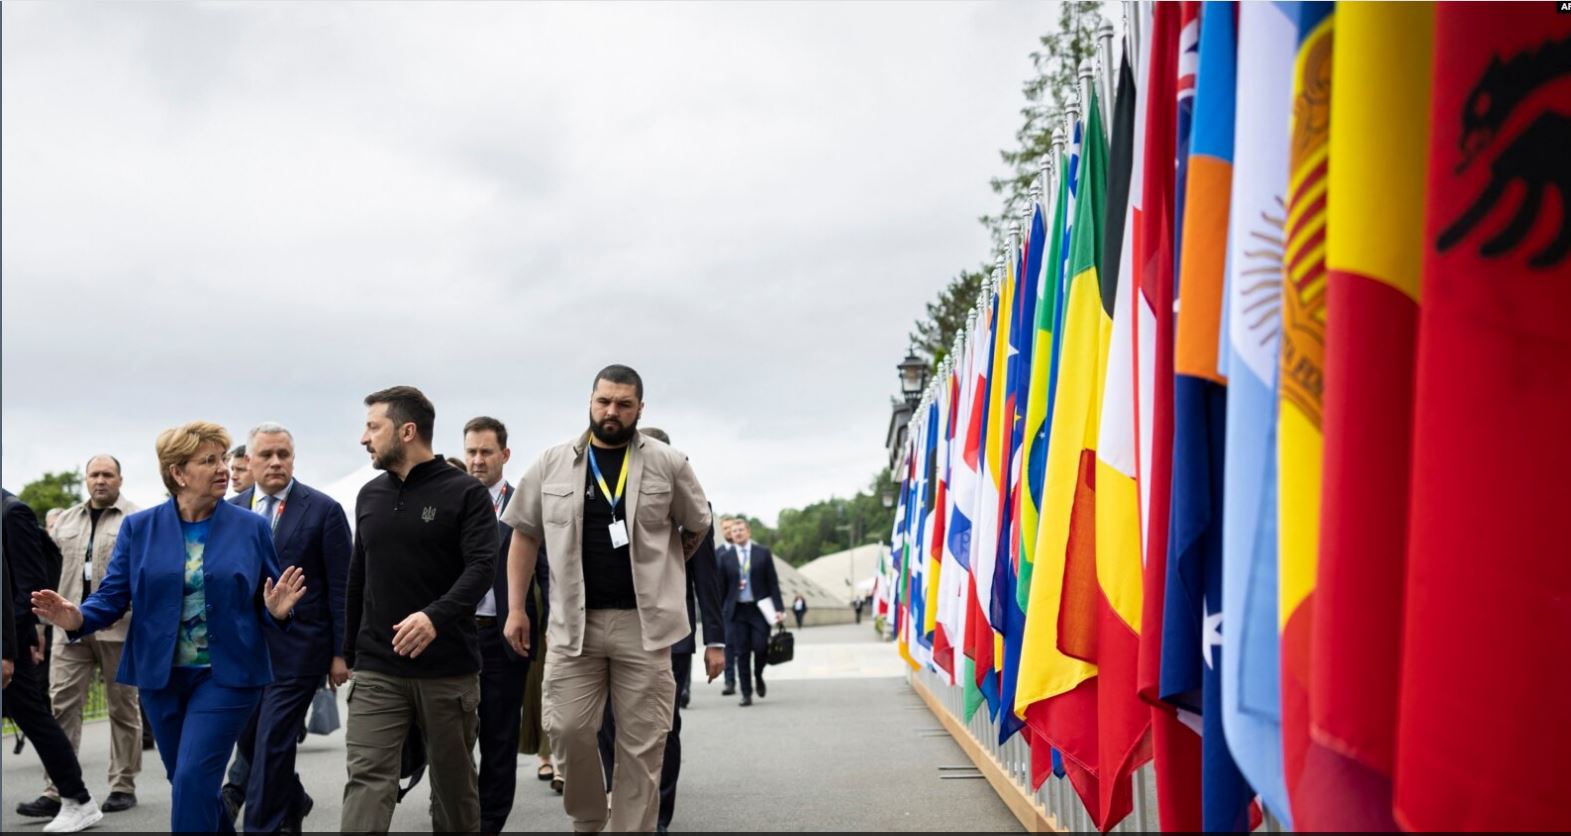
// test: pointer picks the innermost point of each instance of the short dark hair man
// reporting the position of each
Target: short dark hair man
(618, 585)
(425, 549)
(503, 672)
(240, 478)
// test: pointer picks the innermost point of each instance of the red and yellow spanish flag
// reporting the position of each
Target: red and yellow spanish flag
(1374, 255)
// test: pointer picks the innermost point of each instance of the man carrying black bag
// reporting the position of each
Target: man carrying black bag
(752, 606)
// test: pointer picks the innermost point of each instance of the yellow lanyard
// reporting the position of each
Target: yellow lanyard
(621, 481)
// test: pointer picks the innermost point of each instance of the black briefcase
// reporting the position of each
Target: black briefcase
(782, 647)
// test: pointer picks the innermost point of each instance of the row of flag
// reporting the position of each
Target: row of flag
(1251, 458)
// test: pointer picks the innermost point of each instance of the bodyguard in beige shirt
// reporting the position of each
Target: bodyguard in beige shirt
(611, 507)
(86, 535)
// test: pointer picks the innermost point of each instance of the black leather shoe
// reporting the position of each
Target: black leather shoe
(729, 690)
(118, 802)
(762, 691)
(746, 701)
(42, 807)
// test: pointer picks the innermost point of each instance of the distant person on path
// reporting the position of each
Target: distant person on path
(856, 606)
(799, 609)
(197, 647)
(26, 572)
(703, 595)
(424, 555)
(86, 534)
(619, 513)
(310, 531)
(750, 578)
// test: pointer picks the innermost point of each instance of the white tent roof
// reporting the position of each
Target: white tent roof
(845, 571)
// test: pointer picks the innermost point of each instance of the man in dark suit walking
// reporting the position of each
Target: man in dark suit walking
(503, 673)
(748, 572)
(311, 531)
(703, 596)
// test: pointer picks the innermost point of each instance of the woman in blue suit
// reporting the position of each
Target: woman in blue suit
(199, 574)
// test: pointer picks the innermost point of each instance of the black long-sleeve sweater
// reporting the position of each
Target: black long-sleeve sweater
(425, 544)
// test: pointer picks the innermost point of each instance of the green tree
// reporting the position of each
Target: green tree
(52, 490)
(828, 525)
(1048, 93)
(1054, 82)
(947, 316)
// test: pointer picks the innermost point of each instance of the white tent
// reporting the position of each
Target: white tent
(845, 571)
(346, 489)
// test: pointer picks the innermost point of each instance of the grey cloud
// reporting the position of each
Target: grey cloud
(263, 211)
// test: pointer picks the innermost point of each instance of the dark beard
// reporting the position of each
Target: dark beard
(614, 439)
(389, 458)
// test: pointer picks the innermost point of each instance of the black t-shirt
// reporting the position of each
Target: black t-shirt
(608, 572)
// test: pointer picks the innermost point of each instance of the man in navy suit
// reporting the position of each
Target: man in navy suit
(703, 596)
(503, 673)
(311, 531)
(748, 570)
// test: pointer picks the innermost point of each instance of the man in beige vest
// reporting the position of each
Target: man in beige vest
(86, 535)
(612, 507)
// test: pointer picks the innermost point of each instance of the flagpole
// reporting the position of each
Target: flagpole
(1109, 75)
(1071, 117)
(1059, 169)
(1087, 82)
(1044, 175)
(1132, 34)
(1013, 253)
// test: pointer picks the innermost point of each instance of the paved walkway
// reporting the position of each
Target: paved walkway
(841, 743)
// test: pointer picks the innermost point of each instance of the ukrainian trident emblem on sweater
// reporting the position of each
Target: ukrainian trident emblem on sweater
(429, 513)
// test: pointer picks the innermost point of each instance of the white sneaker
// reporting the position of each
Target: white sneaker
(74, 816)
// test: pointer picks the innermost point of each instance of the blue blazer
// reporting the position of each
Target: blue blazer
(147, 574)
(312, 533)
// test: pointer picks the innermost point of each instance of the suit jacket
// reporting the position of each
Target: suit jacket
(26, 571)
(500, 587)
(312, 533)
(662, 497)
(147, 572)
(704, 594)
(762, 579)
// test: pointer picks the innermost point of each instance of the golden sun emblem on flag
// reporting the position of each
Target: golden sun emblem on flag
(1261, 291)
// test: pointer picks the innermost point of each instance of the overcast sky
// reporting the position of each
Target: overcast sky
(248, 212)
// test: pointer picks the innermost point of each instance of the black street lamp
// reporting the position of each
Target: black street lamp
(913, 376)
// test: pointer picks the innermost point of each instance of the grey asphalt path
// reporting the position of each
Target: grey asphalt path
(851, 749)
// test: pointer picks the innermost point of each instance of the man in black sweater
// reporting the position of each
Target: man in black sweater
(425, 553)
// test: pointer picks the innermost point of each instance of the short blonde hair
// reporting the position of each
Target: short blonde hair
(177, 445)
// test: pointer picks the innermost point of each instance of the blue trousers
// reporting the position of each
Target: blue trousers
(196, 722)
(273, 794)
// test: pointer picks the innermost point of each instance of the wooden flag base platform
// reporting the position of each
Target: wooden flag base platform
(1032, 816)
